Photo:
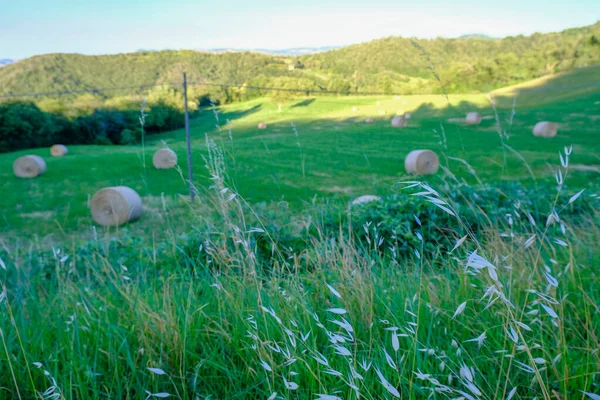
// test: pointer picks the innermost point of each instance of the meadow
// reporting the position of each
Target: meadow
(329, 152)
(479, 282)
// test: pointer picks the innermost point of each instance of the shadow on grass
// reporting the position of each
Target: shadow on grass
(524, 106)
(206, 115)
(579, 83)
(240, 114)
(304, 103)
(205, 119)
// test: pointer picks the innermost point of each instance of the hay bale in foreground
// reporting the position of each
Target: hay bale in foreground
(473, 118)
(545, 129)
(262, 125)
(59, 150)
(164, 158)
(113, 206)
(365, 199)
(422, 162)
(29, 166)
(398, 122)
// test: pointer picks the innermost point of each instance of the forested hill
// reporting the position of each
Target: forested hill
(393, 64)
(463, 64)
(60, 72)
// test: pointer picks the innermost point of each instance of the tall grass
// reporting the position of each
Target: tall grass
(509, 314)
(500, 316)
(142, 119)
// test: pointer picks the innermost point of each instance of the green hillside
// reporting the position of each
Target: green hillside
(70, 72)
(393, 64)
(331, 153)
(462, 64)
(554, 88)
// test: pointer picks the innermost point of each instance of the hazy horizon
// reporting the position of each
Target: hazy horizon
(32, 27)
(325, 47)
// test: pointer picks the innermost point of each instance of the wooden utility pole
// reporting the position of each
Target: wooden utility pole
(187, 138)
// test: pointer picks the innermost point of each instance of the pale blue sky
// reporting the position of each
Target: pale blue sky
(29, 27)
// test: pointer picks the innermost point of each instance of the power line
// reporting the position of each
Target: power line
(211, 84)
(260, 88)
(83, 91)
(295, 90)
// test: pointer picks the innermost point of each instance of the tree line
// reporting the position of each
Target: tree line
(24, 125)
(93, 119)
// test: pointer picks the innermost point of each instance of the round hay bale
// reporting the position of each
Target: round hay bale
(369, 120)
(113, 206)
(365, 199)
(59, 150)
(164, 159)
(422, 162)
(545, 129)
(407, 116)
(29, 166)
(262, 125)
(473, 118)
(398, 122)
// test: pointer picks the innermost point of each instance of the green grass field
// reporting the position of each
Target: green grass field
(331, 153)
(456, 290)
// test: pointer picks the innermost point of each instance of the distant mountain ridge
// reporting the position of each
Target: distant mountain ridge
(478, 36)
(291, 52)
(295, 51)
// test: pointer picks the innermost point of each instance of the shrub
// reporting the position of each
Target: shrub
(24, 125)
(102, 140)
(127, 137)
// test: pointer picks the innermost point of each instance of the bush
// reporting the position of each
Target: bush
(205, 101)
(163, 117)
(102, 140)
(24, 125)
(128, 137)
(112, 122)
(88, 129)
(393, 222)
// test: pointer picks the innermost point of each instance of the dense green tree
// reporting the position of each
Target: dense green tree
(339, 85)
(24, 125)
